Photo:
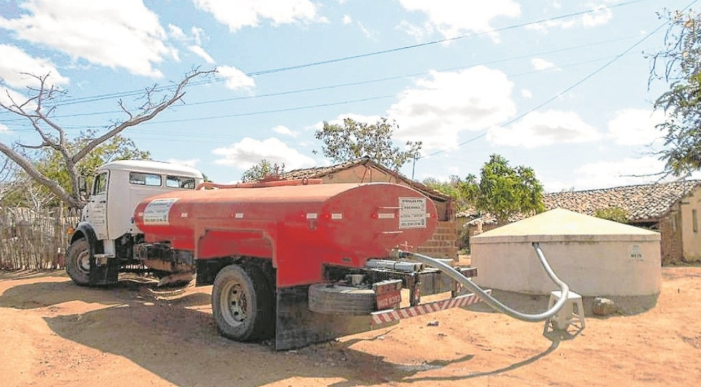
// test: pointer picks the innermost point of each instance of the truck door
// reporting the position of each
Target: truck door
(96, 209)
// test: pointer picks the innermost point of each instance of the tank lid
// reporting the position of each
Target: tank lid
(563, 225)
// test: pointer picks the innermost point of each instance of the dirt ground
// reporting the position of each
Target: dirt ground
(53, 333)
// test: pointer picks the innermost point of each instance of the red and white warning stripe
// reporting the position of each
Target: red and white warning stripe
(390, 315)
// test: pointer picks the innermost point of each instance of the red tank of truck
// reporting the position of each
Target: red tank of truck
(301, 228)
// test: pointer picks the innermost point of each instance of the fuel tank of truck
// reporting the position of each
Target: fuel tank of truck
(301, 228)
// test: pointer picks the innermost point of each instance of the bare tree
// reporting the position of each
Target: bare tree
(7, 174)
(38, 109)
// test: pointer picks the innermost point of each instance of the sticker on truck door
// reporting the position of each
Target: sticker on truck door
(157, 211)
(412, 213)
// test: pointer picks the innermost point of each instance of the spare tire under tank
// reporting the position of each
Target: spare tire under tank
(339, 299)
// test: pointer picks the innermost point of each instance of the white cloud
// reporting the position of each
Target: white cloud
(541, 64)
(446, 103)
(525, 93)
(604, 174)
(635, 127)
(368, 34)
(347, 19)
(16, 64)
(8, 95)
(16, 68)
(198, 35)
(239, 14)
(453, 18)
(249, 152)
(284, 130)
(199, 51)
(188, 163)
(4, 129)
(542, 129)
(176, 32)
(235, 78)
(122, 34)
(601, 14)
(419, 33)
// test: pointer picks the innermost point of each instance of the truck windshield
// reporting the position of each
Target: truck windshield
(100, 185)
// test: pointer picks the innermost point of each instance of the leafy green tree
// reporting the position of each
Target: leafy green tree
(353, 140)
(679, 65)
(616, 214)
(453, 188)
(116, 148)
(262, 170)
(504, 191)
(28, 192)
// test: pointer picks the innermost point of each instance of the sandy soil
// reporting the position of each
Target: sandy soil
(53, 333)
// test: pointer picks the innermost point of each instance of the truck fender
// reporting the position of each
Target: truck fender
(85, 230)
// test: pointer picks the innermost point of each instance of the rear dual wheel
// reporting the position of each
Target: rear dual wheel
(242, 304)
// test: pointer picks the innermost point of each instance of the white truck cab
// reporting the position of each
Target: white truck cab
(108, 215)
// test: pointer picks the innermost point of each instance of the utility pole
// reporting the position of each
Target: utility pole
(413, 167)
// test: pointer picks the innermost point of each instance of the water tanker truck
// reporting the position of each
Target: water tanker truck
(297, 261)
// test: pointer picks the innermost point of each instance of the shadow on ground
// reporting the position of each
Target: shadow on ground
(46, 294)
(533, 304)
(172, 338)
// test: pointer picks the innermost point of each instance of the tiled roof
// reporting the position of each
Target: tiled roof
(472, 214)
(318, 172)
(646, 202)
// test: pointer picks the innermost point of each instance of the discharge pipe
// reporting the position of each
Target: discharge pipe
(405, 267)
(488, 299)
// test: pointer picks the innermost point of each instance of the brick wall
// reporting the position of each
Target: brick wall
(671, 244)
(443, 242)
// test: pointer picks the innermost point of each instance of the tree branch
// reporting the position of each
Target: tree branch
(149, 113)
(32, 171)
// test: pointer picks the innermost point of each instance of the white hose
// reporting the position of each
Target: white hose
(489, 300)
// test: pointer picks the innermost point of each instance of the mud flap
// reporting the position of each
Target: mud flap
(297, 326)
(103, 274)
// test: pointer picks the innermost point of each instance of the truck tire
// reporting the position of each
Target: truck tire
(78, 262)
(242, 304)
(337, 299)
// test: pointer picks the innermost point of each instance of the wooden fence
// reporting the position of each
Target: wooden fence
(34, 239)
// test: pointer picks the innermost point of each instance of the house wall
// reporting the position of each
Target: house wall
(443, 244)
(671, 244)
(690, 211)
(360, 173)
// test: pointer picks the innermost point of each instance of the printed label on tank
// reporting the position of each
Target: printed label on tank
(635, 254)
(157, 211)
(412, 213)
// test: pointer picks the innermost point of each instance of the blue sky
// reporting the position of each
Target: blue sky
(559, 86)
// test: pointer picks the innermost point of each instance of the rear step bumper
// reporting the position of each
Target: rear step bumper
(392, 315)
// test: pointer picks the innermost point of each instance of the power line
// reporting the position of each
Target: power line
(440, 41)
(549, 100)
(351, 57)
(365, 82)
(305, 107)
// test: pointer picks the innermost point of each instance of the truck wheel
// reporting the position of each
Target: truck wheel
(336, 299)
(78, 262)
(242, 304)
